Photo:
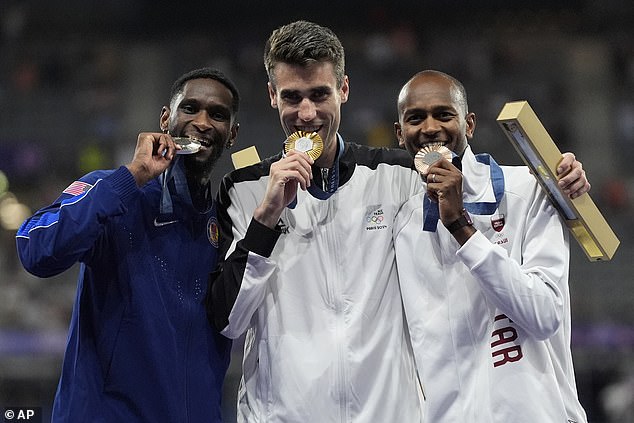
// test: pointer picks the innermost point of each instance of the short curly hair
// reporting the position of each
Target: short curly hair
(209, 73)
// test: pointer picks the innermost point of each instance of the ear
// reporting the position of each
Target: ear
(345, 89)
(234, 135)
(272, 95)
(471, 124)
(399, 134)
(164, 119)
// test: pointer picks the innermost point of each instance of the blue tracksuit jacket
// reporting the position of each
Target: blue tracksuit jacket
(139, 345)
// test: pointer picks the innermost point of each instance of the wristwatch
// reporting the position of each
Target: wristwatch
(461, 222)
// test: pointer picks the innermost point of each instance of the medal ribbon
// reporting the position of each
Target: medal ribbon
(173, 184)
(332, 184)
(431, 214)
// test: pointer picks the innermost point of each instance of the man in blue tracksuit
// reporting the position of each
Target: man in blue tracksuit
(139, 346)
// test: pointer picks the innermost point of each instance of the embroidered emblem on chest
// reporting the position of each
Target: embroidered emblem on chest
(213, 234)
(375, 218)
(497, 222)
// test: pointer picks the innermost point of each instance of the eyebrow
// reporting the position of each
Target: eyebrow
(322, 88)
(214, 106)
(433, 109)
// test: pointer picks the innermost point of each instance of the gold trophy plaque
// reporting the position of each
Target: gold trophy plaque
(245, 157)
(537, 149)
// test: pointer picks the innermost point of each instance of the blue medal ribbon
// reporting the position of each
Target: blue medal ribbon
(173, 184)
(431, 214)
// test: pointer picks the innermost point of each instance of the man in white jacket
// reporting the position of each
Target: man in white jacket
(482, 261)
(310, 273)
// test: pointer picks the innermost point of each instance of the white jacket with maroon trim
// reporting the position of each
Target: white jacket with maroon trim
(490, 321)
(319, 298)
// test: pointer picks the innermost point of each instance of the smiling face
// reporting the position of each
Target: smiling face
(202, 110)
(433, 110)
(307, 99)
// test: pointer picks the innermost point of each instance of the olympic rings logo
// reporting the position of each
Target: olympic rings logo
(375, 219)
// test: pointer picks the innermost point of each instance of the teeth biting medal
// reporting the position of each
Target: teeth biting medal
(428, 155)
(307, 142)
(188, 145)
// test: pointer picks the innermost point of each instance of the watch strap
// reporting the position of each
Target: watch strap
(461, 222)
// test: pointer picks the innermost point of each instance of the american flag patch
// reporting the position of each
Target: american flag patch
(77, 187)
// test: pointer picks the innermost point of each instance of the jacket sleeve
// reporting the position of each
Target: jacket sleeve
(238, 285)
(533, 291)
(59, 235)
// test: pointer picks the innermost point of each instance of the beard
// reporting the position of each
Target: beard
(198, 169)
(199, 166)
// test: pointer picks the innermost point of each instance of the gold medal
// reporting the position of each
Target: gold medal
(428, 155)
(308, 142)
(188, 145)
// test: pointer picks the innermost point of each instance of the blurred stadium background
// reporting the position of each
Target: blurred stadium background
(80, 78)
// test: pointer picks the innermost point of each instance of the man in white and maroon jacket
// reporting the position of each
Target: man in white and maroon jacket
(482, 261)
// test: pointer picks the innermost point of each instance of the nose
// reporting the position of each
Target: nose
(307, 110)
(430, 126)
(202, 121)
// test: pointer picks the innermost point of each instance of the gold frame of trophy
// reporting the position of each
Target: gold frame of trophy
(524, 130)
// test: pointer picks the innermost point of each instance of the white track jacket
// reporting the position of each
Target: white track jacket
(490, 322)
(319, 298)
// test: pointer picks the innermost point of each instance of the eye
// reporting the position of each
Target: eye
(188, 108)
(319, 95)
(414, 119)
(220, 116)
(445, 116)
(291, 97)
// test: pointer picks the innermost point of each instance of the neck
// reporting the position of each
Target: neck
(327, 158)
(200, 192)
(461, 153)
(197, 174)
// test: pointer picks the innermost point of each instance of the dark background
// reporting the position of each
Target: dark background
(80, 79)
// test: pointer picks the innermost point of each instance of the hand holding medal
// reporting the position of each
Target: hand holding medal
(287, 174)
(447, 192)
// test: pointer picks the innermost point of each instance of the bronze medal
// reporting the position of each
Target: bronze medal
(428, 155)
(308, 142)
